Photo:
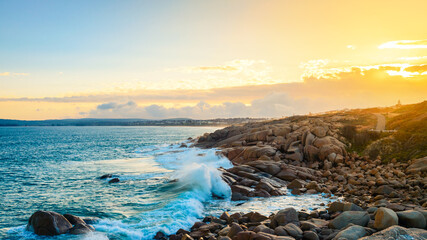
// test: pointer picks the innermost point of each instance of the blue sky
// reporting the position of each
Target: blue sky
(157, 52)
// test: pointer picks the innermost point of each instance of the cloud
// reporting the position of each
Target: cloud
(405, 44)
(322, 88)
(13, 74)
(276, 104)
(419, 69)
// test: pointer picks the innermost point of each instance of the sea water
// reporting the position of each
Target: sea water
(163, 185)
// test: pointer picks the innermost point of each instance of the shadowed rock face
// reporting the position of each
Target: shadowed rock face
(52, 223)
(48, 223)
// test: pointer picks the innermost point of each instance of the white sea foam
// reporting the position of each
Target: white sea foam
(187, 196)
(195, 178)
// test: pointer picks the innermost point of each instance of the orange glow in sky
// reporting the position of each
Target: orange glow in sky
(203, 59)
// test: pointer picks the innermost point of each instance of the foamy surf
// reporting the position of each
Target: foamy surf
(194, 178)
(184, 182)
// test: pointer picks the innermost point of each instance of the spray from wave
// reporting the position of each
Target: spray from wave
(194, 179)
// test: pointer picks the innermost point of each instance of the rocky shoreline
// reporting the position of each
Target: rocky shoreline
(309, 156)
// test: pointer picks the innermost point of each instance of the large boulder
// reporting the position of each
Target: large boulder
(351, 233)
(356, 217)
(385, 218)
(283, 217)
(411, 219)
(48, 223)
(398, 233)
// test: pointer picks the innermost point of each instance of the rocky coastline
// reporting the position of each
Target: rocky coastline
(307, 155)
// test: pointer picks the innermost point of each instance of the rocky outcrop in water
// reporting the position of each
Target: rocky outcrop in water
(52, 223)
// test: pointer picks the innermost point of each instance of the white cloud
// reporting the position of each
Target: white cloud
(276, 104)
(405, 44)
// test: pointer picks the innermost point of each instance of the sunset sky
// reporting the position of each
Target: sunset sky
(208, 59)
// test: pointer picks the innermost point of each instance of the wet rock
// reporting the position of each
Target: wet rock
(81, 229)
(411, 219)
(197, 225)
(285, 216)
(114, 180)
(48, 223)
(74, 219)
(385, 218)
(351, 233)
(355, 217)
(109, 175)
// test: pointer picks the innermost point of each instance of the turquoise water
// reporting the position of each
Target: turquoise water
(57, 169)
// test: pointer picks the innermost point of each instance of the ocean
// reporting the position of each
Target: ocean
(163, 186)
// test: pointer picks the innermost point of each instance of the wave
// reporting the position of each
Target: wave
(194, 179)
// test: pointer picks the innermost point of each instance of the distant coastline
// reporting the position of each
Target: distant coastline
(128, 122)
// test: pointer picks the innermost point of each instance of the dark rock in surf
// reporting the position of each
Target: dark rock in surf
(81, 229)
(105, 176)
(48, 223)
(74, 219)
(160, 236)
(114, 180)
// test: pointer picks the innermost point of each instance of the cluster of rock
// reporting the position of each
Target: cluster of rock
(339, 221)
(308, 155)
(110, 177)
(268, 156)
(52, 223)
